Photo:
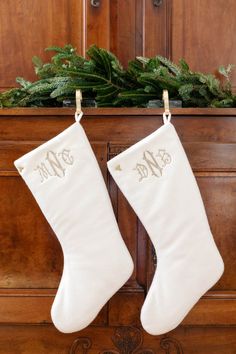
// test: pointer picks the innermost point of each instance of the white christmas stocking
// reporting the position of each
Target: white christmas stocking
(64, 177)
(156, 178)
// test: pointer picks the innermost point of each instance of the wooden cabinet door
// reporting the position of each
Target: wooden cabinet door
(203, 32)
(129, 28)
(200, 31)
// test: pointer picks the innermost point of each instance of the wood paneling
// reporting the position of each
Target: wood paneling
(203, 33)
(157, 29)
(125, 31)
(31, 258)
(219, 196)
(29, 26)
(97, 24)
(26, 240)
(45, 339)
(27, 306)
(128, 28)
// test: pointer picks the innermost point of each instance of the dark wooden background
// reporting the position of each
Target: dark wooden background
(31, 258)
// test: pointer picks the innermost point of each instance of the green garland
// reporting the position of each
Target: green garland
(102, 78)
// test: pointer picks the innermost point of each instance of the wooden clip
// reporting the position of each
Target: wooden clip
(78, 98)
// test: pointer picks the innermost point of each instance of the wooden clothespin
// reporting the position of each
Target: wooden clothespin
(166, 102)
(78, 99)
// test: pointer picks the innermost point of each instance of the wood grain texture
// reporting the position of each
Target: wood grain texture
(157, 29)
(28, 26)
(97, 24)
(202, 33)
(31, 258)
(128, 28)
(124, 30)
(117, 340)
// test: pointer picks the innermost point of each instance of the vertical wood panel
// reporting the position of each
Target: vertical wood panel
(75, 25)
(219, 196)
(29, 26)
(203, 33)
(128, 28)
(30, 254)
(128, 229)
(156, 28)
(123, 29)
(97, 24)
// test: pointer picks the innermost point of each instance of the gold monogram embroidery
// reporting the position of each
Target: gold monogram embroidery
(153, 164)
(66, 157)
(54, 164)
(142, 170)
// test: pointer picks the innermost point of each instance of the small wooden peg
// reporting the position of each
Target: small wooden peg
(78, 98)
(166, 101)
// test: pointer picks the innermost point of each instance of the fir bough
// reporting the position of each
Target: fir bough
(101, 77)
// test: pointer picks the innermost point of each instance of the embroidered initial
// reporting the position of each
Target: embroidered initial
(142, 170)
(54, 164)
(153, 165)
(164, 156)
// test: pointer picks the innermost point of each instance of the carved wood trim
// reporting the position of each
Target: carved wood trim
(116, 148)
(80, 345)
(168, 344)
(128, 340)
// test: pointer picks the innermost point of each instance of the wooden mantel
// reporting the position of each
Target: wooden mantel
(117, 111)
(31, 258)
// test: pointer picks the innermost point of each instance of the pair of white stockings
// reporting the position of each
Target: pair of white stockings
(157, 180)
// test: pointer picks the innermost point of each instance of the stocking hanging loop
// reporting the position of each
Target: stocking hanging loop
(166, 118)
(78, 116)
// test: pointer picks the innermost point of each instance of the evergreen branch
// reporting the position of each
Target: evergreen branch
(173, 68)
(102, 77)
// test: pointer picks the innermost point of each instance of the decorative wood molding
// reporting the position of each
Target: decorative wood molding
(115, 149)
(168, 344)
(128, 340)
(80, 346)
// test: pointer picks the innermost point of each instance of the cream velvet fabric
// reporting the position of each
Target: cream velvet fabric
(64, 178)
(156, 178)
